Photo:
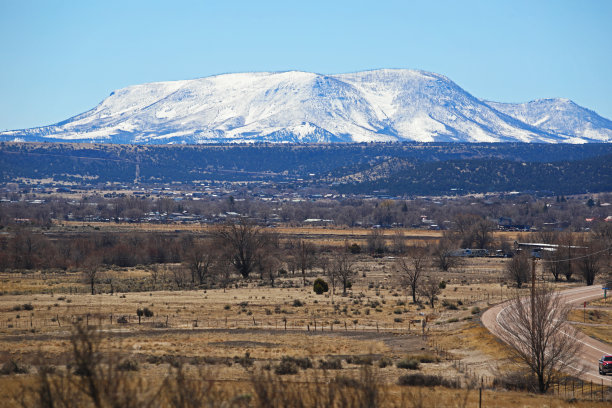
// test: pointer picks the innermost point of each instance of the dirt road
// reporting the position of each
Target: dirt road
(592, 349)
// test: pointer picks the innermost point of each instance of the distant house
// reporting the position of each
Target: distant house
(469, 252)
(317, 221)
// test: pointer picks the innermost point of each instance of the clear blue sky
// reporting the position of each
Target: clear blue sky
(61, 58)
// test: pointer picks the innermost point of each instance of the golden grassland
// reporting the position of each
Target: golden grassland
(596, 322)
(306, 231)
(375, 320)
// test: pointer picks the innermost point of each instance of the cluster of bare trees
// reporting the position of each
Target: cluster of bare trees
(584, 254)
(25, 249)
(414, 267)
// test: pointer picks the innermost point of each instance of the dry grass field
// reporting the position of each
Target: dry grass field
(594, 322)
(235, 334)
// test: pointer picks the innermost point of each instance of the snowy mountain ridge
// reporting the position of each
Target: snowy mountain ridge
(294, 106)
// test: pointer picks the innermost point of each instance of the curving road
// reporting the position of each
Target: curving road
(592, 349)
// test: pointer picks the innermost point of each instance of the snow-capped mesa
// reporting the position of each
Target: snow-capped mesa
(302, 107)
(560, 116)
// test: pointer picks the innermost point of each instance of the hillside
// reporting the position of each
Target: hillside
(397, 168)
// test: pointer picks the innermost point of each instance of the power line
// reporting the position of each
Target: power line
(578, 257)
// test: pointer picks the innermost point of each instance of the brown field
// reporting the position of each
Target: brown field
(330, 232)
(215, 329)
(594, 322)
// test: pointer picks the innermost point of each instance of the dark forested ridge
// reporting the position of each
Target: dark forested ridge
(398, 168)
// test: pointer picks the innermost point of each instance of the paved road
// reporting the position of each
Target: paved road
(592, 349)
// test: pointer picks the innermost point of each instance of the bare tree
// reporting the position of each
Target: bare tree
(223, 271)
(473, 230)
(91, 274)
(155, 274)
(483, 233)
(329, 270)
(243, 239)
(303, 254)
(198, 258)
(411, 268)
(399, 241)
(553, 263)
(430, 289)
(442, 257)
(590, 260)
(566, 253)
(180, 274)
(518, 268)
(539, 336)
(343, 269)
(376, 241)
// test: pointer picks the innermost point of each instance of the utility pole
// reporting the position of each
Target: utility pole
(533, 273)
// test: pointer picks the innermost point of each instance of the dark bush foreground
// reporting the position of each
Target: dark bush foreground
(425, 380)
(14, 367)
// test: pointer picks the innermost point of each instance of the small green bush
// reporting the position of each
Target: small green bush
(297, 303)
(320, 286)
(475, 310)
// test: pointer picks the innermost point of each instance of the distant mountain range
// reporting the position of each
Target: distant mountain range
(301, 107)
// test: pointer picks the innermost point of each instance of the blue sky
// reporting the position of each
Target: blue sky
(61, 58)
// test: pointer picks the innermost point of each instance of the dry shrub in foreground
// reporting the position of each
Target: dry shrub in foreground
(320, 391)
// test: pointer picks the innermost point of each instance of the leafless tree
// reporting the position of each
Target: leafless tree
(518, 268)
(376, 241)
(198, 259)
(303, 256)
(329, 270)
(399, 241)
(483, 233)
(91, 274)
(430, 289)
(180, 275)
(539, 336)
(411, 268)
(243, 239)
(566, 252)
(442, 254)
(155, 274)
(590, 259)
(553, 263)
(269, 265)
(222, 269)
(473, 230)
(343, 269)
